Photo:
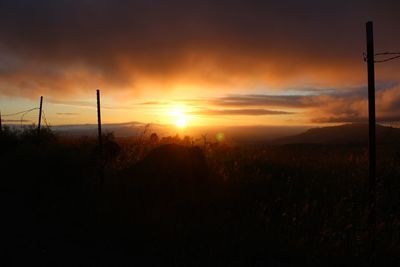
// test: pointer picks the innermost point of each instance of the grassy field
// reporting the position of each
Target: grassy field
(147, 201)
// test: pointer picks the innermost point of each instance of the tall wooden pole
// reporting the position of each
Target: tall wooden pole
(99, 119)
(40, 117)
(100, 161)
(372, 120)
(372, 136)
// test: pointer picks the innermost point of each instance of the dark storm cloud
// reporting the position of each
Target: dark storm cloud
(335, 106)
(59, 45)
(355, 108)
(266, 100)
(297, 100)
(57, 48)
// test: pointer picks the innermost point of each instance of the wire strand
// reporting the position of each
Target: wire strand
(26, 112)
(394, 54)
(17, 113)
(387, 53)
(44, 119)
(387, 59)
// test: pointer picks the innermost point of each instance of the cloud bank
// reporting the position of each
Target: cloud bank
(67, 48)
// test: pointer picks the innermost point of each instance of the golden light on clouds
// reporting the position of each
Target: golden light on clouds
(209, 63)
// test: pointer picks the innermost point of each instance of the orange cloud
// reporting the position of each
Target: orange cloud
(147, 51)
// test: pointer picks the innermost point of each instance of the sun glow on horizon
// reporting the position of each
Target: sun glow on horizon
(181, 123)
(179, 117)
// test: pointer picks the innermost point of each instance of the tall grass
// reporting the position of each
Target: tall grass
(297, 204)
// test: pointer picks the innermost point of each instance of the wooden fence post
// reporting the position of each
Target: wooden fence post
(100, 161)
(99, 119)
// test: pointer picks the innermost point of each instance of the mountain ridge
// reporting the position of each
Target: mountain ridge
(356, 133)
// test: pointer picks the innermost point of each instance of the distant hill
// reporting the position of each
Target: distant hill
(247, 135)
(127, 129)
(343, 134)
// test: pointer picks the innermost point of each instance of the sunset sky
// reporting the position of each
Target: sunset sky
(195, 63)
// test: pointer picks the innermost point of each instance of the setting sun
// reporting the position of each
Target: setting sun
(179, 118)
(181, 122)
(195, 132)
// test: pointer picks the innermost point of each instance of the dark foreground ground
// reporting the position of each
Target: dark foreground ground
(144, 203)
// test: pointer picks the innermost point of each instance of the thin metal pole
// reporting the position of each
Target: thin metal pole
(99, 118)
(372, 134)
(40, 117)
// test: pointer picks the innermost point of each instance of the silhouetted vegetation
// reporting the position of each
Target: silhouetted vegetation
(165, 201)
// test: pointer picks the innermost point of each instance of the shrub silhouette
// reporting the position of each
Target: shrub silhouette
(238, 206)
(174, 180)
(177, 163)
